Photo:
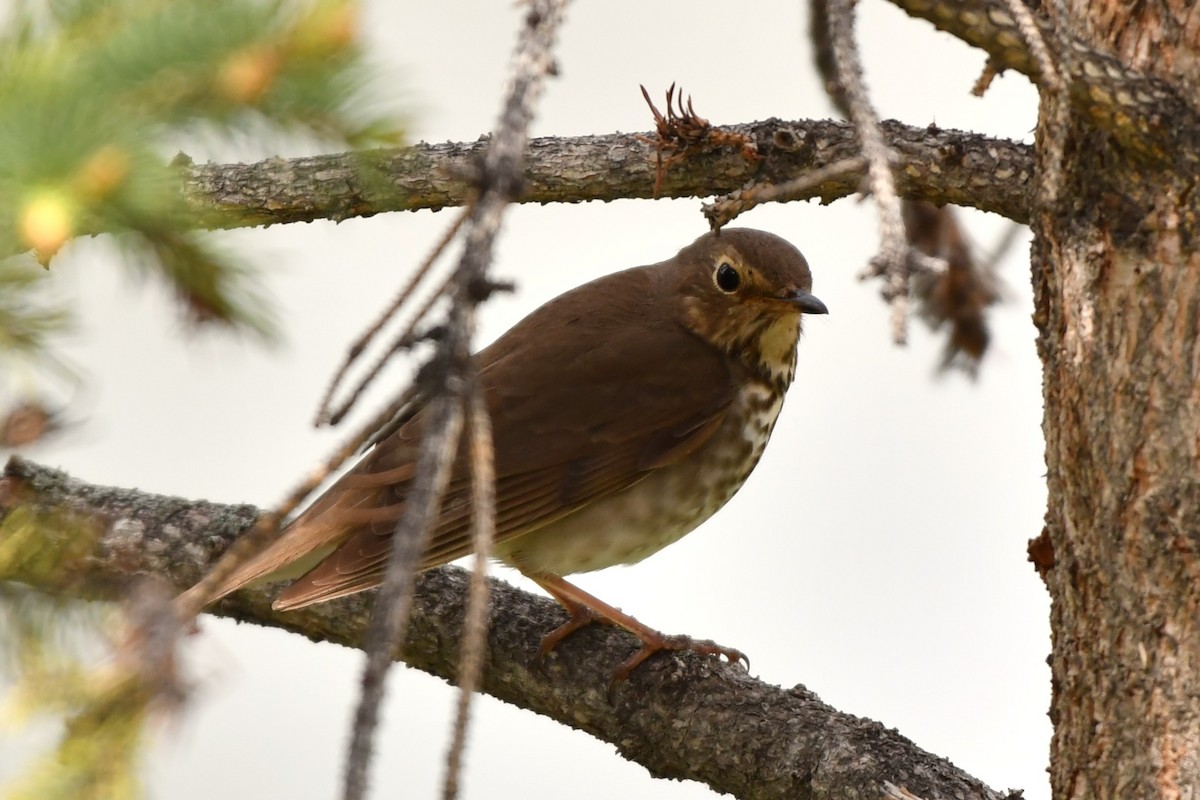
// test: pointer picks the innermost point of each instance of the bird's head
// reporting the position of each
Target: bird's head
(745, 292)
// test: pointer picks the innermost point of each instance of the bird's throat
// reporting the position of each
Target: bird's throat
(776, 351)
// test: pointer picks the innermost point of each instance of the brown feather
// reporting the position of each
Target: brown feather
(539, 430)
(589, 395)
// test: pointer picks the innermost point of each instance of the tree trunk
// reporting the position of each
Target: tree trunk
(1117, 286)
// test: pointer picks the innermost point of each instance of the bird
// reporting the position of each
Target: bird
(625, 412)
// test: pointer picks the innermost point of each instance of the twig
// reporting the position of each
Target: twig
(500, 183)
(991, 70)
(190, 603)
(1049, 76)
(971, 170)
(405, 339)
(327, 417)
(389, 611)
(1053, 83)
(823, 55)
(895, 258)
(726, 209)
(483, 523)
(1102, 90)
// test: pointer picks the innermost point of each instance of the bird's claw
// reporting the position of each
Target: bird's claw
(710, 648)
(675, 644)
(581, 617)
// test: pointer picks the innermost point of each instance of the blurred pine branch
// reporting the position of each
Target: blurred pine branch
(97, 94)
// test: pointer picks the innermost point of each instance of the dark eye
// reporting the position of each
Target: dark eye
(727, 278)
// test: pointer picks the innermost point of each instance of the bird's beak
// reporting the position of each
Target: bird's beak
(806, 302)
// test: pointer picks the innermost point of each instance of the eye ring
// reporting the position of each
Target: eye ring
(727, 278)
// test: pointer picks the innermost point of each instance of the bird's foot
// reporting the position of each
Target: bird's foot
(660, 642)
(657, 642)
(581, 617)
(652, 642)
(584, 610)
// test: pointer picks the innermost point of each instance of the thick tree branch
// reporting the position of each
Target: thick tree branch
(939, 165)
(1143, 113)
(742, 736)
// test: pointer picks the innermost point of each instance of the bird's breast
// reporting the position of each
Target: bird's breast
(669, 502)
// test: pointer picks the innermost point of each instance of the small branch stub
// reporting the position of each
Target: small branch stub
(681, 131)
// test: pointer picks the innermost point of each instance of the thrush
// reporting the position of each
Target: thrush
(625, 412)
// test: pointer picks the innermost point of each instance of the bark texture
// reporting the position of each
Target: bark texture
(683, 716)
(943, 166)
(1117, 282)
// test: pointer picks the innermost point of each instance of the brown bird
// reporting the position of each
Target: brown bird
(625, 413)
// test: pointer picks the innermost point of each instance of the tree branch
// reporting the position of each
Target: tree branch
(939, 165)
(1143, 113)
(742, 736)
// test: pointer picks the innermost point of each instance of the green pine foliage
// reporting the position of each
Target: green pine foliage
(97, 93)
(95, 96)
(49, 651)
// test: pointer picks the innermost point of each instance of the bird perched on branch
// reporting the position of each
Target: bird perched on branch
(625, 412)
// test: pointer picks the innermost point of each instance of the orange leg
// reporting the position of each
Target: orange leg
(586, 609)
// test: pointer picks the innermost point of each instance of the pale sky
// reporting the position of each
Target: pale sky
(877, 554)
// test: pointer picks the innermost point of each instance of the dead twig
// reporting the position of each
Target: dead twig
(896, 260)
(725, 209)
(483, 524)
(389, 611)
(1053, 81)
(326, 416)
(500, 181)
(958, 296)
(253, 541)
(991, 70)
(682, 132)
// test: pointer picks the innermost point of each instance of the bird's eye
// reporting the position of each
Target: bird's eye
(727, 278)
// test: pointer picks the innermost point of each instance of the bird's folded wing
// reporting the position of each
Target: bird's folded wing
(601, 428)
(585, 402)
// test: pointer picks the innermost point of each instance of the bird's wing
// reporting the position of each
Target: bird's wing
(584, 403)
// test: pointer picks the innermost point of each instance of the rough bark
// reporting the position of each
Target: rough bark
(1117, 288)
(1152, 118)
(742, 736)
(1117, 282)
(939, 165)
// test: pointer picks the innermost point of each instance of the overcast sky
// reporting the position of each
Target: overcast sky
(877, 554)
